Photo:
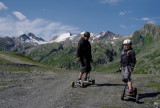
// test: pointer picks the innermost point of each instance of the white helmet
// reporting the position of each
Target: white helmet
(127, 41)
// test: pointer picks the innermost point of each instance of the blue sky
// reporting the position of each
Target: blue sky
(46, 18)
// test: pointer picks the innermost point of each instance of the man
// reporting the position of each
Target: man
(84, 55)
(128, 61)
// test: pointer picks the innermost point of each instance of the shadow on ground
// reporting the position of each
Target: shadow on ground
(145, 95)
(148, 95)
(108, 84)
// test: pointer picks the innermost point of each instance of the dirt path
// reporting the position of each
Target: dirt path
(52, 90)
(12, 59)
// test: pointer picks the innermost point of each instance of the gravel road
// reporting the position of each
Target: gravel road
(53, 90)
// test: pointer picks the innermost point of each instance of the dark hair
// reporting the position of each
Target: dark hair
(86, 34)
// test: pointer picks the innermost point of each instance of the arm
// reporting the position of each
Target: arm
(120, 68)
(90, 53)
(133, 60)
(79, 49)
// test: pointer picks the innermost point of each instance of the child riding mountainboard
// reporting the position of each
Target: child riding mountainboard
(127, 64)
(84, 56)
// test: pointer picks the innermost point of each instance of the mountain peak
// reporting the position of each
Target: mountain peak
(31, 35)
(82, 32)
(148, 26)
(61, 37)
(24, 37)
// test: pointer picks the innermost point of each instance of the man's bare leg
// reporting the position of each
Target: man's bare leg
(80, 75)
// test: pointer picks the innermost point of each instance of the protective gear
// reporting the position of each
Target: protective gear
(127, 41)
(86, 34)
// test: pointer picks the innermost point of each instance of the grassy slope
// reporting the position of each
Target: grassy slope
(12, 66)
(148, 54)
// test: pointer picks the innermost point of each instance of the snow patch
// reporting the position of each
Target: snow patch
(114, 38)
(82, 32)
(62, 37)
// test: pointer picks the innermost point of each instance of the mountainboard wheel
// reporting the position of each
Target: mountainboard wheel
(122, 95)
(82, 84)
(137, 98)
(72, 84)
(93, 81)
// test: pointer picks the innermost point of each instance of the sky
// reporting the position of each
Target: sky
(46, 18)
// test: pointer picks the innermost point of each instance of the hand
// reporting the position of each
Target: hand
(131, 70)
(78, 59)
(120, 68)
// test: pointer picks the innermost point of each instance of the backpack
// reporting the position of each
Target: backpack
(123, 53)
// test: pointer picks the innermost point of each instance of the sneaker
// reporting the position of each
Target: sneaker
(79, 80)
(129, 92)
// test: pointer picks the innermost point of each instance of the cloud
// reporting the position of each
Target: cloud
(145, 19)
(149, 20)
(123, 26)
(3, 7)
(134, 26)
(124, 13)
(19, 15)
(111, 1)
(9, 26)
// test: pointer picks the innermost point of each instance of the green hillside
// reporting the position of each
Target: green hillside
(147, 44)
(10, 61)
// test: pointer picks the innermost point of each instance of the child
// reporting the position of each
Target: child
(127, 63)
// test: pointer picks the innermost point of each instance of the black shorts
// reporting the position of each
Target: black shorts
(85, 65)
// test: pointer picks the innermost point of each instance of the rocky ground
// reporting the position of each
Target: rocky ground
(29, 88)
(53, 90)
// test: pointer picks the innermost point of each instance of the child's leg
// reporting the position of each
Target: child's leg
(130, 85)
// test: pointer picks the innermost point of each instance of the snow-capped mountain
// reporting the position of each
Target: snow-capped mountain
(29, 38)
(32, 36)
(103, 36)
(62, 37)
(68, 38)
